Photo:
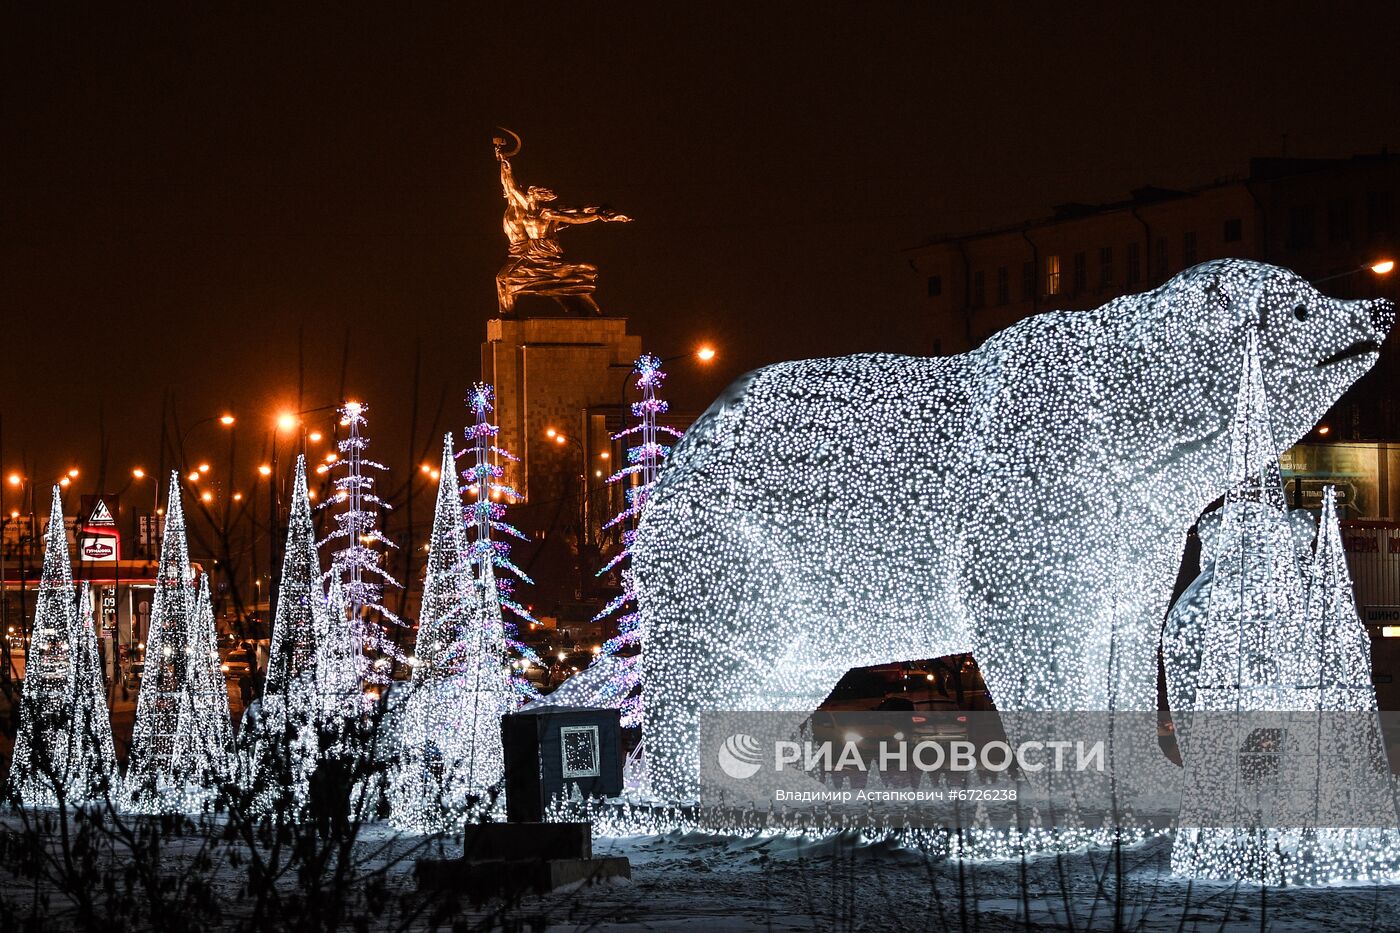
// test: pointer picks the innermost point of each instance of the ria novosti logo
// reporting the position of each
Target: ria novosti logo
(739, 756)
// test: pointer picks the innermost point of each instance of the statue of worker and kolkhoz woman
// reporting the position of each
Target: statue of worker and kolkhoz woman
(532, 224)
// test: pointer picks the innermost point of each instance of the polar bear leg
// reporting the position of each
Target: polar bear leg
(719, 609)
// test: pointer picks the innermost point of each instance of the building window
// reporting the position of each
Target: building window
(1028, 281)
(1134, 264)
(1339, 221)
(1003, 286)
(1234, 230)
(1105, 267)
(1378, 212)
(979, 289)
(1160, 269)
(1302, 227)
(935, 286)
(1081, 273)
(1052, 275)
(1188, 249)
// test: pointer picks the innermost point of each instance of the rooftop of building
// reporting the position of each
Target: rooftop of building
(1261, 169)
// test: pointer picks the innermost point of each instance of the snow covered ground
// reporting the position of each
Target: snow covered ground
(699, 881)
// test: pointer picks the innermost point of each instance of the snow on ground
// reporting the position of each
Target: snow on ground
(706, 882)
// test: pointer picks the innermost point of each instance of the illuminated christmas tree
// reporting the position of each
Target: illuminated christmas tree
(167, 670)
(1273, 643)
(285, 749)
(339, 698)
(38, 774)
(201, 764)
(615, 677)
(91, 759)
(450, 739)
(357, 563)
(485, 512)
(1340, 642)
(487, 496)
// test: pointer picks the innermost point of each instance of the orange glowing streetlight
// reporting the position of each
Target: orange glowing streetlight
(286, 421)
(238, 497)
(227, 420)
(65, 482)
(193, 477)
(426, 468)
(15, 479)
(73, 473)
(314, 437)
(550, 432)
(204, 468)
(207, 496)
(1384, 267)
(705, 354)
(138, 473)
(265, 470)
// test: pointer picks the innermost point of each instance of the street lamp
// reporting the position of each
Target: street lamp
(1379, 267)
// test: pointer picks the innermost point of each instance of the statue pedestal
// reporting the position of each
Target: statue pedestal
(547, 372)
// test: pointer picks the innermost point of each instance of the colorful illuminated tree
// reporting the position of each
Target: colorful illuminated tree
(620, 660)
(485, 510)
(284, 751)
(357, 563)
(38, 774)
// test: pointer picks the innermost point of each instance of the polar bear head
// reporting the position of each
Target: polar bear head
(1187, 341)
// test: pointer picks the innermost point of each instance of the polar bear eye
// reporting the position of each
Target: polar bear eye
(1300, 312)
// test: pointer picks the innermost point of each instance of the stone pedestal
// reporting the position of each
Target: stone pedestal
(547, 371)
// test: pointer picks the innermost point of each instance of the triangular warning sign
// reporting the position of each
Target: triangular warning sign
(101, 515)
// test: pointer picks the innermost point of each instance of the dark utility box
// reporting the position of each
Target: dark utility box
(511, 859)
(551, 749)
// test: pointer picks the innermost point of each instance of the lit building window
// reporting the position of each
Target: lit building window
(1052, 275)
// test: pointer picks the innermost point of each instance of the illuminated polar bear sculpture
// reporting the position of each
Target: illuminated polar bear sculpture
(1026, 502)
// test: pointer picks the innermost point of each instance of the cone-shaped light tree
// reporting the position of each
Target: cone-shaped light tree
(38, 774)
(283, 752)
(91, 758)
(1339, 638)
(450, 744)
(174, 682)
(201, 763)
(356, 561)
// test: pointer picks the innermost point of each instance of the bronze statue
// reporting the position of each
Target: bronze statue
(536, 265)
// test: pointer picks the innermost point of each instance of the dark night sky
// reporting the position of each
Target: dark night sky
(179, 192)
